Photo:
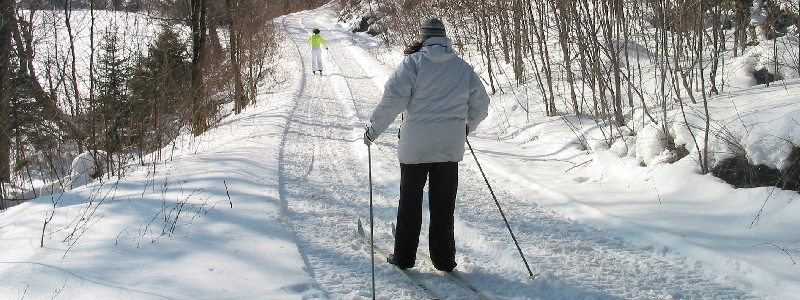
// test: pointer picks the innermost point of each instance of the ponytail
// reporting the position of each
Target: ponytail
(413, 48)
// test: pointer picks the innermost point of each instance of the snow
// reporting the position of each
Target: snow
(265, 205)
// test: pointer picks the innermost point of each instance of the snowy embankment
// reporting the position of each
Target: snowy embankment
(744, 236)
(205, 223)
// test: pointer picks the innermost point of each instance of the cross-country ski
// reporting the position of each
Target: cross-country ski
(454, 275)
(383, 256)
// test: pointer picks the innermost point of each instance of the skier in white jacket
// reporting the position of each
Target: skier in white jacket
(442, 100)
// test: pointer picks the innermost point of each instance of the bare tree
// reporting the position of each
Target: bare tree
(485, 24)
(7, 23)
(199, 10)
(518, 16)
(564, 13)
(75, 100)
(717, 44)
(541, 36)
(235, 35)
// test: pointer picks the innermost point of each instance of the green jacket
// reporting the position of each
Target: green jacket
(315, 40)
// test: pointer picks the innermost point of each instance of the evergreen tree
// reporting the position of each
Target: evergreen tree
(112, 111)
(159, 86)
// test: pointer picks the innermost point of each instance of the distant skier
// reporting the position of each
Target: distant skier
(316, 51)
(439, 95)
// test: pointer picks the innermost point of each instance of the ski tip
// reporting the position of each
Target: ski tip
(360, 228)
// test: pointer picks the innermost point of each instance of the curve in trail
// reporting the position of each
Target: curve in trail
(324, 186)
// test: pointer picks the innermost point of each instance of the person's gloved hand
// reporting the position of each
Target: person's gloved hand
(367, 139)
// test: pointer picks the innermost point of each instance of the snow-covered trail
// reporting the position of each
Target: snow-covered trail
(324, 187)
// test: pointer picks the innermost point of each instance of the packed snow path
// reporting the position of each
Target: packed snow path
(324, 187)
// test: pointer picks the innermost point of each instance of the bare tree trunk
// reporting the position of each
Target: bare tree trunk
(662, 59)
(704, 159)
(76, 109)
(563, 15)
(541, 37)
(240, 100)
(199, 37)
(625, 39)
(519, 65)
(487, 49)
(7, 23)
(587, 45)
(504, 28)
(93, 124)
(716, 31)
(741, 21)
(531, 29)
(613, 12)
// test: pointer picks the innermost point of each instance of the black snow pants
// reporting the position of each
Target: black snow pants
(442, 189)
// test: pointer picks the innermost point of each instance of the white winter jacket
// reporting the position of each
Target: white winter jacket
(441, 97)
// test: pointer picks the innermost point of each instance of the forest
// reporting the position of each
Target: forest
(623, 63)
(121, 92)
(120, 79)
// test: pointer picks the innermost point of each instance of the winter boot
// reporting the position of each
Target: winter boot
(391, 260)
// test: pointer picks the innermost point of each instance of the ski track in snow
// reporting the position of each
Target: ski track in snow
(325, 189)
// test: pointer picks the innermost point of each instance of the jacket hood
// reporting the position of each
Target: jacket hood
(438, 49)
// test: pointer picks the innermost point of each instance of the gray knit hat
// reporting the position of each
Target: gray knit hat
(431, 28)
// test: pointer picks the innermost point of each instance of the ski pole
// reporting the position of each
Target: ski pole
(371, 221)
(530, 273)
